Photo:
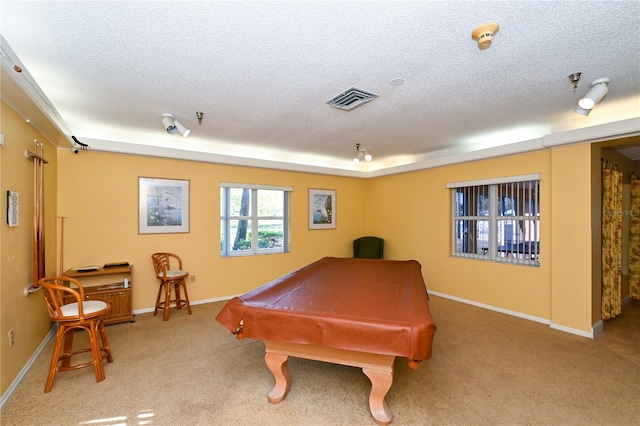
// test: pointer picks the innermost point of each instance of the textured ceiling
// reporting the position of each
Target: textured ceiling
(262, 73)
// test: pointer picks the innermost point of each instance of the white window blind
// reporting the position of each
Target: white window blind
(497, 219)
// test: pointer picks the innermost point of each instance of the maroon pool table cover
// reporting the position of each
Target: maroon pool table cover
(368, 305)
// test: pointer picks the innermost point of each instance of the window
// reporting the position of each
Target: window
(497, 219)
(254, 219)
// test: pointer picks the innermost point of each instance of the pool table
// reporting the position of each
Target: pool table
(357, 312)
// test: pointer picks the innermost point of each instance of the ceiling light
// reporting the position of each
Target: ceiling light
(173, 126)
(582, 111)
(484, 34)
(361, 154)
(182, 129)
(167, 122)
(595, 94)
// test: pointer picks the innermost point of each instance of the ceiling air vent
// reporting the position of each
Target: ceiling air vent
(351, 99)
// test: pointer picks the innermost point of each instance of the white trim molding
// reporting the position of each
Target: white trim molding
(197, 302)
(596, 329)
(27, 366)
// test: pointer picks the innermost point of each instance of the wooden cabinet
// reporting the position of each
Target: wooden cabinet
(110, 284)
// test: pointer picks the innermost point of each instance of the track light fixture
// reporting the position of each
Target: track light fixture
(182, 129)
(174, 126)
(582, 111)
(361, 154)
(594, 95)
(167, 122)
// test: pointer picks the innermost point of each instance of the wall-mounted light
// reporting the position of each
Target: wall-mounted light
(361, 155)
(594, 95)
(172, 126)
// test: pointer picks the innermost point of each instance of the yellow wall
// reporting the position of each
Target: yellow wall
(412, 212)
(27, 316)
(98, 193)
(571, 228)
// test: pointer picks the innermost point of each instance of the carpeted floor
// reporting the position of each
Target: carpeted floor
(487, 369)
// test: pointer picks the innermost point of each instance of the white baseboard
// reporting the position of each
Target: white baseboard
(27, 366)
(575, 331)
(492, 308)
(595, 329)
(197, 302)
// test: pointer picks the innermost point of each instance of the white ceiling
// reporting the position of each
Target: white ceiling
(262, 72)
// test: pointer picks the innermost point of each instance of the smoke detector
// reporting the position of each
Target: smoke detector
(484, 34)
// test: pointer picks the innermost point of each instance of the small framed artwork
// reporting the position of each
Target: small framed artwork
(322, 209)
(13, 208)
(163, 206)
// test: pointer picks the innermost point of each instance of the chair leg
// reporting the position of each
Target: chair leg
(160, 293)
(95, 351)
(176, 289)
(67, 347)
(186, 296)
(63, 351)
(167, 301)
(53, 367)
(105, 342)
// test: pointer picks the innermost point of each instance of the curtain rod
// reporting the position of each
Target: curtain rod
(608, 165)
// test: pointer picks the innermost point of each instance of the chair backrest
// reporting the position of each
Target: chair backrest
(162, 263)
(54, 291)
(368, 247)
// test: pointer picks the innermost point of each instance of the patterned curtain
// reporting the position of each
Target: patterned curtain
(611, 242)
(634, 240)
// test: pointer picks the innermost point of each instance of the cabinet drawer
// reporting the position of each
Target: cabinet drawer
(120, 301)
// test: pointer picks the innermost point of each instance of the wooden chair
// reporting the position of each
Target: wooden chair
(368, 247)
(80, 314)
(172, 277)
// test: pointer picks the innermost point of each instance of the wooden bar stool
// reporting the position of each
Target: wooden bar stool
(81, 314)
(170, 279)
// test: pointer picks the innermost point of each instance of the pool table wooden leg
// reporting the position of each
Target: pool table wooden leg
(378, 368)
(279, 366)
(381, 382)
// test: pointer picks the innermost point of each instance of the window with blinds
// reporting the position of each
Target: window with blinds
(497, 219)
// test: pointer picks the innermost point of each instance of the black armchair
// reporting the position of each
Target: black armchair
(368, 247)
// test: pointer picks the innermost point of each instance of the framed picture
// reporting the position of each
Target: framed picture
(322, 209)
(163, 206)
